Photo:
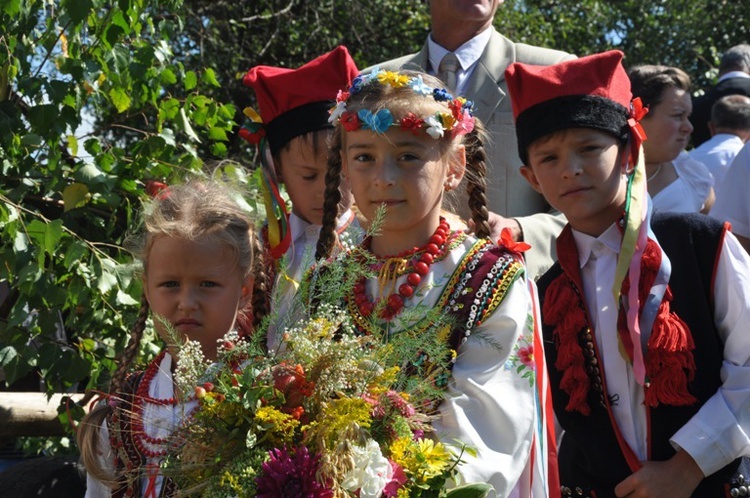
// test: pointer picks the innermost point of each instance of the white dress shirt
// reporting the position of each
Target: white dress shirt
(720, 431)
(732, 200)
(159, 421)
(717, 154)
(467, 54)
(299, 257)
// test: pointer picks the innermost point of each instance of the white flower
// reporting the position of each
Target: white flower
(337, 111)
(371, 472)
(435, 127)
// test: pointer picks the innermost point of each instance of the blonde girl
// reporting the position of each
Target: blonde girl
(201, 269)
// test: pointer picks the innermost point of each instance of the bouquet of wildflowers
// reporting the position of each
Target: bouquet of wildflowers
(331, 414)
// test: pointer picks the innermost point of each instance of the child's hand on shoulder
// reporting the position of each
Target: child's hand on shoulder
(674, 478)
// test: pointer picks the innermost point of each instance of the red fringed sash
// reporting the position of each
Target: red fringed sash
(670, 365)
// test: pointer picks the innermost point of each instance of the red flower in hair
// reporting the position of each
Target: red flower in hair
(412, 122)
(350, 121)
(253, 137)
(342, 96)
(456, 107)
(154, 188)
(637, 113)
(506, 241)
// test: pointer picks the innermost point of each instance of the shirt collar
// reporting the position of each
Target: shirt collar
(733, 74)
(467, 54)
(611, 238)
(300, 227)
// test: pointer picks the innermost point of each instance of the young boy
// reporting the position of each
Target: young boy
(645, 319)
(294, 109)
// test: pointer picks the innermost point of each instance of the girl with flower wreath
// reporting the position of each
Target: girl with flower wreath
(402, 141)
(201, 266)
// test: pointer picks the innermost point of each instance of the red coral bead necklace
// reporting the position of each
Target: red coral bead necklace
(421, 258)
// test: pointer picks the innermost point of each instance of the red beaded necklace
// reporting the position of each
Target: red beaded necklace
(418, 265)
(140, 437)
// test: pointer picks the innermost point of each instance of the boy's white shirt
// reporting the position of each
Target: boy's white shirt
(720, 431)
(299, 257)
(159, 421)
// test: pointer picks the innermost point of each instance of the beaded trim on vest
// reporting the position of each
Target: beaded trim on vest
(468, 296)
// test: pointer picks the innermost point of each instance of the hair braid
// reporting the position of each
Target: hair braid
(476, 187)
(261, 294)
(327, 238)
(87, 433)
(131, 350)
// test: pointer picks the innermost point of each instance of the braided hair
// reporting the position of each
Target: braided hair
(192, 211)
(400, 101)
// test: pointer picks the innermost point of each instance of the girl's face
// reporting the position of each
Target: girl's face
(667, 126)
(405, 172)
(196, 287)
(580, 173)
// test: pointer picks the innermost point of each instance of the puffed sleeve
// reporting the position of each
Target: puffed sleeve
(720, 431)
(490, 403)
(94, 487)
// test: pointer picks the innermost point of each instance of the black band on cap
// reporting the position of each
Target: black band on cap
(296, 122)
(570, 111)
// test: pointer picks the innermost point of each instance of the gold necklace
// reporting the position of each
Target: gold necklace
(653, 175)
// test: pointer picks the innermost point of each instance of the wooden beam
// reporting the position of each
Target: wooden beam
(31, 414)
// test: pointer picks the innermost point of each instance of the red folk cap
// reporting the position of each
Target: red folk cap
(293, 102)
(590, 92)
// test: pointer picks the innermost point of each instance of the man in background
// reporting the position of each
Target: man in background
(734, 79)
(466, 52)
(730, 129)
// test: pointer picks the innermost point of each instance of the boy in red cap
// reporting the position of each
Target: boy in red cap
(293, 128)
(645, 318)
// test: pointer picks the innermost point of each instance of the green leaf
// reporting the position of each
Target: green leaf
(169, 108)
(219, 149)
(90, 174)
(13, 364)
(73, 145)
(126, 299)
(52, 236)
(473, 490)
(78, 10)
(31, 140)
(12, 7)
(120, 99)
(191, 80)
(209, 77)
(106, 282)
(74, 253)
(75, 195)
(184, 124)
(21, 242)
(217, 133)
(168, 77)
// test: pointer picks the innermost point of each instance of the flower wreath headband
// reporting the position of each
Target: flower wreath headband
(459, 121)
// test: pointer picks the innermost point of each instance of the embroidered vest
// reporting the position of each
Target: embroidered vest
(129, 462)
(591, 458)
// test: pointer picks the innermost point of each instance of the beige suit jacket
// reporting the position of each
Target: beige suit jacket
(508, 193)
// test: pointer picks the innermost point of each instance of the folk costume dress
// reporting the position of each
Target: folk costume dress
(491, 402)
(133, 437)
(700, 404)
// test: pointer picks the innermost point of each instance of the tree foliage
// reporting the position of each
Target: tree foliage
(97, 97)
(93, 103)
